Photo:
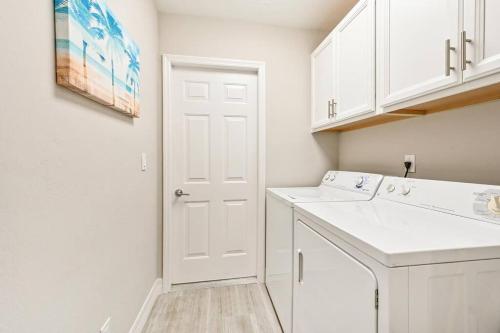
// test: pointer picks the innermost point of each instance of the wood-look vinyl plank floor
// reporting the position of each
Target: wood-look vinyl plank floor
(228, 309)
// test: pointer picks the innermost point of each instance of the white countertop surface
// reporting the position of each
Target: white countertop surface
(397, 234)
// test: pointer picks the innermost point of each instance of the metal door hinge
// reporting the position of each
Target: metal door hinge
(376, 299)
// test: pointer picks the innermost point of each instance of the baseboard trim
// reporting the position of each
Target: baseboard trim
(213, 284)
(147, 306)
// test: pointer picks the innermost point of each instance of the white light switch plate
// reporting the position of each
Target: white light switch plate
(413, 160)
(144, 162)
(106, 328)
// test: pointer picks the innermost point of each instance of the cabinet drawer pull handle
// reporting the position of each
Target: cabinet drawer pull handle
(332, 106)
(448, 49)
(465, 40)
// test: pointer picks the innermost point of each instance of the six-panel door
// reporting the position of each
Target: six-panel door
(419, 47)
(215, 162)
(333, 292)
(481, 38)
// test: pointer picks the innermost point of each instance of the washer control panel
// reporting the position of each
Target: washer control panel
(487, 204)
(353, 181)
(480, 202)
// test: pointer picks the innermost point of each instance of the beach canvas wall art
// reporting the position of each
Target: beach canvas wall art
(95, 56)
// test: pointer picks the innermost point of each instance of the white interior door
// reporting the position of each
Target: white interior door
(413, 50)
(481, 26)
(355, 65)
(332, 291)
(214, 160)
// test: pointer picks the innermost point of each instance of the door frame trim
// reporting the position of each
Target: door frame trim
(169, 61)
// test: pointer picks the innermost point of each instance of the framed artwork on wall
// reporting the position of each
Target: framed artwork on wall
(95, 56)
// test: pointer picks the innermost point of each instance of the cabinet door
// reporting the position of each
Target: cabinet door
(332, 291)
(481, 39)
(415, 58)
(355, 66)
(322, 61)
(455, 298)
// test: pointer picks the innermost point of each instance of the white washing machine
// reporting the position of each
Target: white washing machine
(421, 257)
(335, 186)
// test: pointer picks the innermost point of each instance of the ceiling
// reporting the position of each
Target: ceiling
(305, 14)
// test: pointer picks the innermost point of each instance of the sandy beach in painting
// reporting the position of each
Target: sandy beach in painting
(94, 56)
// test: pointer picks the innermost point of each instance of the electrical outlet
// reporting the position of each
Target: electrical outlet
(106, 328)
(413, 160)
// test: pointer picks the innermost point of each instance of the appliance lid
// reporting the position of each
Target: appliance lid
(316, 194)
(398, 234)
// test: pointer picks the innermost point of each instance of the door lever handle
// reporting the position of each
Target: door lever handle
(179, 193)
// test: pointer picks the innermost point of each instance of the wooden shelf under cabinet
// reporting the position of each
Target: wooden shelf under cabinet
(467, 98)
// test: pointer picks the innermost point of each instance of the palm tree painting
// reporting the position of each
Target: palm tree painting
(95, 55)
(134, 68)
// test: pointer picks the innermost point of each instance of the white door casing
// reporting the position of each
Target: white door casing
(482, 45)
(214, 153)
(412, 50)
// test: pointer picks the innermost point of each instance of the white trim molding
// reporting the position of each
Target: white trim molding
(147, 307)
(169, 61)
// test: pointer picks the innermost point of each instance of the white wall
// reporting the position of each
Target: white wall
(79, 221)
(294, 156)
(457, 145)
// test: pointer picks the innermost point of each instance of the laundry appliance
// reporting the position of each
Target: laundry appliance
(338, 186)
(422, 257)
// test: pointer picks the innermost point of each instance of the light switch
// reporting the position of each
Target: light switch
(106, 328)
(144, 162)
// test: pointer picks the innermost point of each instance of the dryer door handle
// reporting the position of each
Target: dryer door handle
(301, 266)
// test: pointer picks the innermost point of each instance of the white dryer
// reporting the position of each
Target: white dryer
(338, 186)
(421, 257)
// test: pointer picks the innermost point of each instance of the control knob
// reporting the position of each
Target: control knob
(405, 189)
(391, 188)
(360, 182)
(494, 205)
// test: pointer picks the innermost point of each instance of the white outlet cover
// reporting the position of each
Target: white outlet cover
(106, 328)
(413, 159)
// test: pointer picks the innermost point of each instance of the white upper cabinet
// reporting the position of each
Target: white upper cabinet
(355, 66)
(343, 69)
(419, 47)
(387, 56)
(481, 37)
(322, 83)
